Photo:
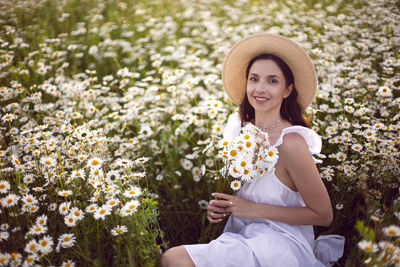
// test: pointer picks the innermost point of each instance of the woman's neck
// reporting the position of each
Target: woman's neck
(267, 121)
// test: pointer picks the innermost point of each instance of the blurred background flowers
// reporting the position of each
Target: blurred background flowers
(107, 106)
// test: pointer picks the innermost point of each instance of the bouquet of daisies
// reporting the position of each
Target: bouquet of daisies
(247, 156)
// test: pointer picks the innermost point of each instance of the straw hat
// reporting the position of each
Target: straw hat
(239, 56)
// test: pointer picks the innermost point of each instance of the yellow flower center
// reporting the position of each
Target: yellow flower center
(119, 230)
(270, 153)
(102, 211)
(43, 243)
(67, 238)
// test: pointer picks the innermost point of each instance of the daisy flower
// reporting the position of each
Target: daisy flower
(78, 174)
(235, 185)
(31, 246)
(367, 246)
(76, 115)
(9, 117)
(119, 230)
(124, 163)
(77, 213)
(209, 163)
(340, 156)
(113, 175)
(384, 91)
(102, 212)
(68, 263)
(186, 164)
(10, 200)
(29, 199)
(113, 202)
(339, 206)
(232, 153)
(30, 259)
(235, 171)
(357, 147)
(4, 187)
(4, 236)
(52, 206)
(203, 204)
(130, 207)
(67, 240)
(63, 208)
(271, 154)
(196, 178)
(91, 208)
(95, 163)
(392, 231)
(28, 179)
(15, 258)
(4, 259)
(4, 227)
(37, 230)
(49, 162)
(45, 245)
(65, 193)
(70, 220)
(134, 191)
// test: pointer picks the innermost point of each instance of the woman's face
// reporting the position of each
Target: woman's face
(266, 86)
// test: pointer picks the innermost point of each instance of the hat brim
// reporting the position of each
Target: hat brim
(239, 56)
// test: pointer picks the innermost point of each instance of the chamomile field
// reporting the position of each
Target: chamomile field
(108, 109)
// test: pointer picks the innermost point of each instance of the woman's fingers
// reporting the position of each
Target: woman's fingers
(222, 196)
(215, 217)
(217, 205)
(221, 203)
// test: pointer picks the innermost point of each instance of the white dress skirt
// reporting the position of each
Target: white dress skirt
(262, 242)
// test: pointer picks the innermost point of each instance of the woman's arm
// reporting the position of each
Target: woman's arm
(300, 165)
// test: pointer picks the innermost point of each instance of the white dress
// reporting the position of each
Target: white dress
(262, 242)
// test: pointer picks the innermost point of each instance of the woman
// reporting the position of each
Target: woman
(273, 80)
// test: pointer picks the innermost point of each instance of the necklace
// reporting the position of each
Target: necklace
(273, 126)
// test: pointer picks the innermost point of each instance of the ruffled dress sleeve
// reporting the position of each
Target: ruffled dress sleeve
(232, 127)
(312, 139)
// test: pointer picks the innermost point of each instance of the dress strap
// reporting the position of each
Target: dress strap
(312, 139)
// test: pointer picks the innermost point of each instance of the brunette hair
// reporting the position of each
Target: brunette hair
(290, 109)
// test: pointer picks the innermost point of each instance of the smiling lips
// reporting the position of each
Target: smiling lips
(260, 99)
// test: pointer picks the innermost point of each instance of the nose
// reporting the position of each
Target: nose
(261, 87)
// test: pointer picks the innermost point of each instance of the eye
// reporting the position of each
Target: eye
(252, 79)
(273, 81)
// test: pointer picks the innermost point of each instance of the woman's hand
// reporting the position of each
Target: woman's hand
(216, 212)
(228, 204)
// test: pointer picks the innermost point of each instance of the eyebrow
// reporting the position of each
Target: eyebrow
(269, 76)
